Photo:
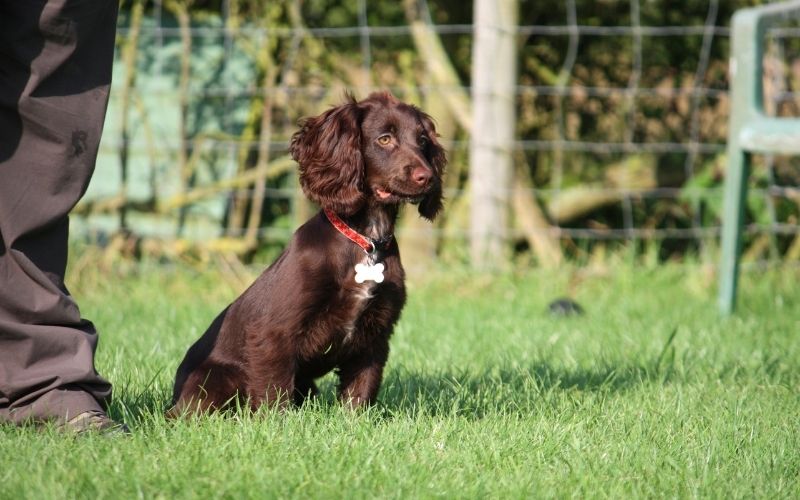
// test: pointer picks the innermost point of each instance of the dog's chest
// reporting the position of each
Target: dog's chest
(359, 297)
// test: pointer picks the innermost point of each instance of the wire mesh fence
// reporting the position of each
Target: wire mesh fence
(621, 119)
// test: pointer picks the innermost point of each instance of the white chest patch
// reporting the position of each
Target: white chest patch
(365, 272)
(363, 294)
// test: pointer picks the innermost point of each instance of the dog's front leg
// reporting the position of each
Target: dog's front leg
(360, 377)
(304, 388)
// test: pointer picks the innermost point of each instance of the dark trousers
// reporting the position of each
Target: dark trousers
(55, 73)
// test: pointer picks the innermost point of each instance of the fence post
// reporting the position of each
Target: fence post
(494, 78)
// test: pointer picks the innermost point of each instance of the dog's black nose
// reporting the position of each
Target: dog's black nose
(421, 175)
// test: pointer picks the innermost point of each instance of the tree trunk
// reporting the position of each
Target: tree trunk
(494, 74)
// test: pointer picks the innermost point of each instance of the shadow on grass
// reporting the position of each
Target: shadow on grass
(498, 389)
(519, 390)
(137, 404)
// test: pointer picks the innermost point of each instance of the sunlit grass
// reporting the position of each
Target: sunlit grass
(649, 394)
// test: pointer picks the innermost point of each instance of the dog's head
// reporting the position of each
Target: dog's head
(376, 150)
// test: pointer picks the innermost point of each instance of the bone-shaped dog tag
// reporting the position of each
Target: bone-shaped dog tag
(366, 272)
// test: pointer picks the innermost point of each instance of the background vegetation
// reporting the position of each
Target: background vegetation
(624, 146)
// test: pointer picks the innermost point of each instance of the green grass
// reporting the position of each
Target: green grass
(650, 394)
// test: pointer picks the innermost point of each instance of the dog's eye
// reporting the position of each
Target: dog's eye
(422, 141)
(384, 140)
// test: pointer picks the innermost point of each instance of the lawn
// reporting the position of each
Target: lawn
(649, 394)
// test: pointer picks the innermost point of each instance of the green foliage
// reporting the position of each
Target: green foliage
(225, 104)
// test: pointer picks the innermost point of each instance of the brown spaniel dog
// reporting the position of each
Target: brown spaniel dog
(332, 298)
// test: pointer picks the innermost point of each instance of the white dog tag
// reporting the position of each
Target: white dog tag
(366, 272)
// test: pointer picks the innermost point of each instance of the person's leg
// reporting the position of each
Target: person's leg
(55, 73)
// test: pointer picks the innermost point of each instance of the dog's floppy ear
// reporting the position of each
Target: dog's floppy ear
(437, 158)
(328, 149)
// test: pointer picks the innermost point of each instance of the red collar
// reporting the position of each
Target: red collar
(367, 244)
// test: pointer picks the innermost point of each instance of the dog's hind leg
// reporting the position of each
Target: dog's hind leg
(208, 387)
